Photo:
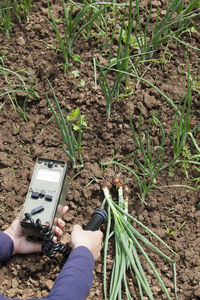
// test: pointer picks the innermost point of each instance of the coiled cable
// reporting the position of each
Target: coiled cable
(49, 247)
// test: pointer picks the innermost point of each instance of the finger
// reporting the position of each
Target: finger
(62, 209)
(65, 209)
(58, 232)
(61, 223)
(55, 221)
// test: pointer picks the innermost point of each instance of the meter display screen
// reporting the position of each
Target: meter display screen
(48, 175)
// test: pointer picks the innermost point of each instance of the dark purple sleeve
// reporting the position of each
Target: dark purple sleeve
(75, 279)
(6, 247)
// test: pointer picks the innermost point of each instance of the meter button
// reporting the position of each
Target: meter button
(37, 210)
(35, 195)
(49, 198)
(42, 193)
(50, 164)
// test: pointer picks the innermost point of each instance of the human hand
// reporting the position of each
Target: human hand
(89, 239)
(20, 243)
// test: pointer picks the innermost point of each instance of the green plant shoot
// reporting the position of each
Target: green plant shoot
(77, 119)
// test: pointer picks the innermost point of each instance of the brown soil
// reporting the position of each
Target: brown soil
(22, 142)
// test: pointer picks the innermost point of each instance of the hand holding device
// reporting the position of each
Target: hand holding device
(20, 242)
(89, 239)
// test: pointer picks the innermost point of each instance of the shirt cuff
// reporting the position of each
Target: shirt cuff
(6, 247)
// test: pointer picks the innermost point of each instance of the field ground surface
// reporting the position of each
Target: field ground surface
(31, 47)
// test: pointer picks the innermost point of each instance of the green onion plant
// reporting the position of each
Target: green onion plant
(121, 60)
(148, 158)
(184, 138)
(130, 255)
(137, 44)
(75, 26)
(71, 144)
(176, 16)
(150, 164)
(95, 11)
(10, 9)
(18, 83)
(181, 125)
(21, 8)
(183, 133)
(5, 17)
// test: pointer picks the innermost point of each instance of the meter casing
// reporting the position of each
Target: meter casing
(46, 195)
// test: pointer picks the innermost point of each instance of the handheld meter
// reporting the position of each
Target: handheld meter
(45, 197)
